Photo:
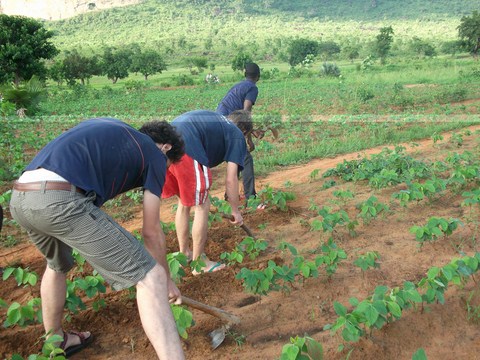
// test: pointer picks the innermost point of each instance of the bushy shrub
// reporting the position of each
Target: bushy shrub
(134, 85)
(26, 95)
(270, 74)
(330, 69)
(6, 108)
(183, 80)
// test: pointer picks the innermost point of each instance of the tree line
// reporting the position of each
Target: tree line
(27, 50)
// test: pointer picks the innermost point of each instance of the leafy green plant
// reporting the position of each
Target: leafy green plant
(473, 309)
(434, 228)
(22, 276)
(368, 261)
(330, 69)
(239, 339)
(273, 197)
(169, 227)
(50, 350)
(314, 174)
(259, 281)
(456, 139)
(135, 195)
(198, 264)
(252, 247)
(23, 315)
(25, 95)
(6, 109)
(437, 137)
(332, 256)
(176, 263)
(91, 286)
(233, 257)
(302, 348)
(472, 198)
(183, 319)
(370, 209)
(331, 219)
(248, 247)
(419, 355)
(343, 195)
(79, 260)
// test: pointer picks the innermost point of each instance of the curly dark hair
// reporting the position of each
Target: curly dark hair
(242, 119)
(164, 133)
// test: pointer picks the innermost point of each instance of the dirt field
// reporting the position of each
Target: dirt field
(443, 331)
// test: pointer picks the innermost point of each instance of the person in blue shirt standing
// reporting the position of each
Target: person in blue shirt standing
(210, 139)
(242, 96)
(57, 199)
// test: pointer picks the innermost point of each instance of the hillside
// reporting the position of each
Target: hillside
(220, 28)
(55, 9)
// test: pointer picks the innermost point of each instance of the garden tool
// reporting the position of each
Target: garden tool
(243, 226)
(217, 335)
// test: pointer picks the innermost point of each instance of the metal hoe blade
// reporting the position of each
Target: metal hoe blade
(217, 336)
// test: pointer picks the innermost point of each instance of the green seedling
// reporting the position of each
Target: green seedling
(434, 228)
(23, 315)
(135, 195)
(419, 355)
(368, 261)
(176, 264)
(473, 310)
(370, 209)
(183, 319)
(50, 350)
(436, 138)
(302, 348)
(343, 195)
(22, 276)
(314, 175)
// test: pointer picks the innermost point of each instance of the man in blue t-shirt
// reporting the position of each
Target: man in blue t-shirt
(57, 200)
(242, 96)
(210, 139)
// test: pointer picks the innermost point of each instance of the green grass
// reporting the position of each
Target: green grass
(380, 90)
(318, 117)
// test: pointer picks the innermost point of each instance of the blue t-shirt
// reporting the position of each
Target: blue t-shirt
(210, 138)
(236, 96)
(106, 156)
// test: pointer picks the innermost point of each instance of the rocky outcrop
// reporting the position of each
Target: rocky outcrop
(58, 9)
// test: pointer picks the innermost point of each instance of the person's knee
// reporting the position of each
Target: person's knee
(157, 276)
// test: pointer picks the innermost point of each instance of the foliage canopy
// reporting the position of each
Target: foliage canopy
(24, 44)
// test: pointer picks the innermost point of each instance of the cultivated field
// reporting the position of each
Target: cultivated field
(368, 246)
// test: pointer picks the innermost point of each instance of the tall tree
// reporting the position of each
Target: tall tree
(116, 63)
(199, 62)
(148, 63)
(384, 42)
(24, 44)
(469, 32)
(79, 67)
(300, 48)
(240, 61)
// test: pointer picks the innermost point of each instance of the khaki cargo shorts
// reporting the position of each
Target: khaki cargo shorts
(58, 221)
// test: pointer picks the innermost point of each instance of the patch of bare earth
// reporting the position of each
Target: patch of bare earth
(267, 322)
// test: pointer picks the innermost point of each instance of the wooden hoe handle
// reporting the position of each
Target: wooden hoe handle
(221, 314)
(243, 226)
